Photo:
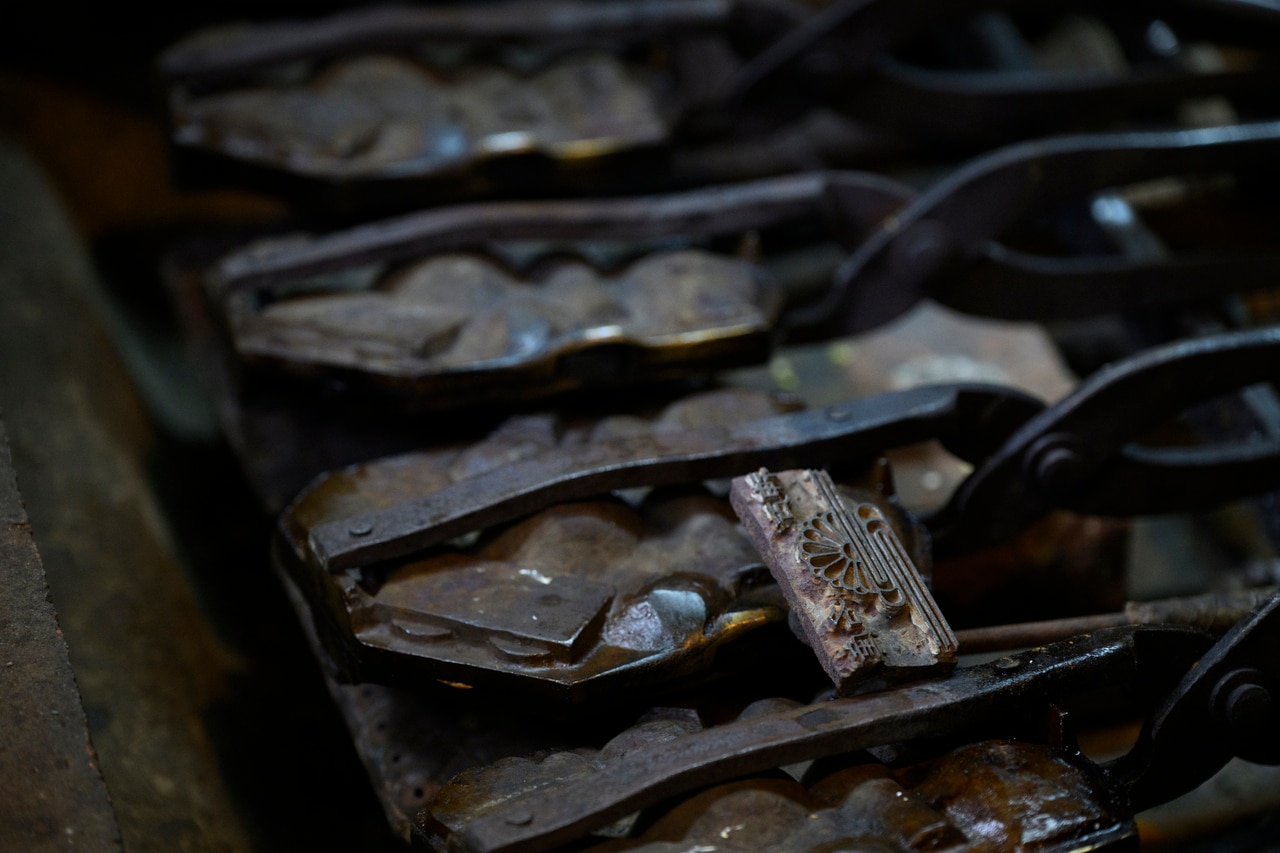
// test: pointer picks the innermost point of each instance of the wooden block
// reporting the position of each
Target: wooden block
(861, 603)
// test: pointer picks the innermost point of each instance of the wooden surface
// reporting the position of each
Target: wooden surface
(210, 720)
(53, 794)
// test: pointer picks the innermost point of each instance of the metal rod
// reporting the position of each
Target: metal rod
(1212, 612)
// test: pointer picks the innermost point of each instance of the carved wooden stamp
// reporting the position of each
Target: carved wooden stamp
(861, 603)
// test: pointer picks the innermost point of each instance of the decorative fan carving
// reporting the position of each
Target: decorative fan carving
(856, 594)
(827, 547)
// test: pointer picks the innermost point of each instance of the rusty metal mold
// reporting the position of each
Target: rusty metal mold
(462, 88)
(938, 246)
(452, 322)
(570, 602)
(369, 98)
(984, 796)
(1000, 430)
(382, 116)
(513, 300)
(440, 96)
(1122, 670)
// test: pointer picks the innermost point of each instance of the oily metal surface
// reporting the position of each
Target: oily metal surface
(381, 116)
(412, 744)
(1065, 454)
(499, 302)
(231, 51)
(579, 598)
(54, 796)
(849, 203)
(460, 326)
(517, 95)
(558, 801)
(290, 428)
(987, 796)
(976, 417)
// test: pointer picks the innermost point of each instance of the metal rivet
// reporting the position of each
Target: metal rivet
(1242, 701)
(519, 817)
(922, 249)
(1249, 707)
(1057, 467)
(1057, 463)
(360, 528)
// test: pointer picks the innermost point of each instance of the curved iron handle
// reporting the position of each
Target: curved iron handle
(1080, 454)
(975, 416)
(955, 222)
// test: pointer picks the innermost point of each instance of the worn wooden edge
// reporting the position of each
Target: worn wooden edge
(52, 791)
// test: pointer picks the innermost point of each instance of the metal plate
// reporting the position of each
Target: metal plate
(385, 117)
(455, 329)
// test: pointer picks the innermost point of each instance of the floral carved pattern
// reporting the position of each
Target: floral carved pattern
(827, 547)
(852, 585)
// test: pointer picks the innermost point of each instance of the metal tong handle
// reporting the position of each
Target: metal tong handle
(853, 202)
(956, 220)
(869, 29)
(1226, 705)
(1215, 712)
(547, 818)
(382, 27)
(975, 416)
(1080, 454)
